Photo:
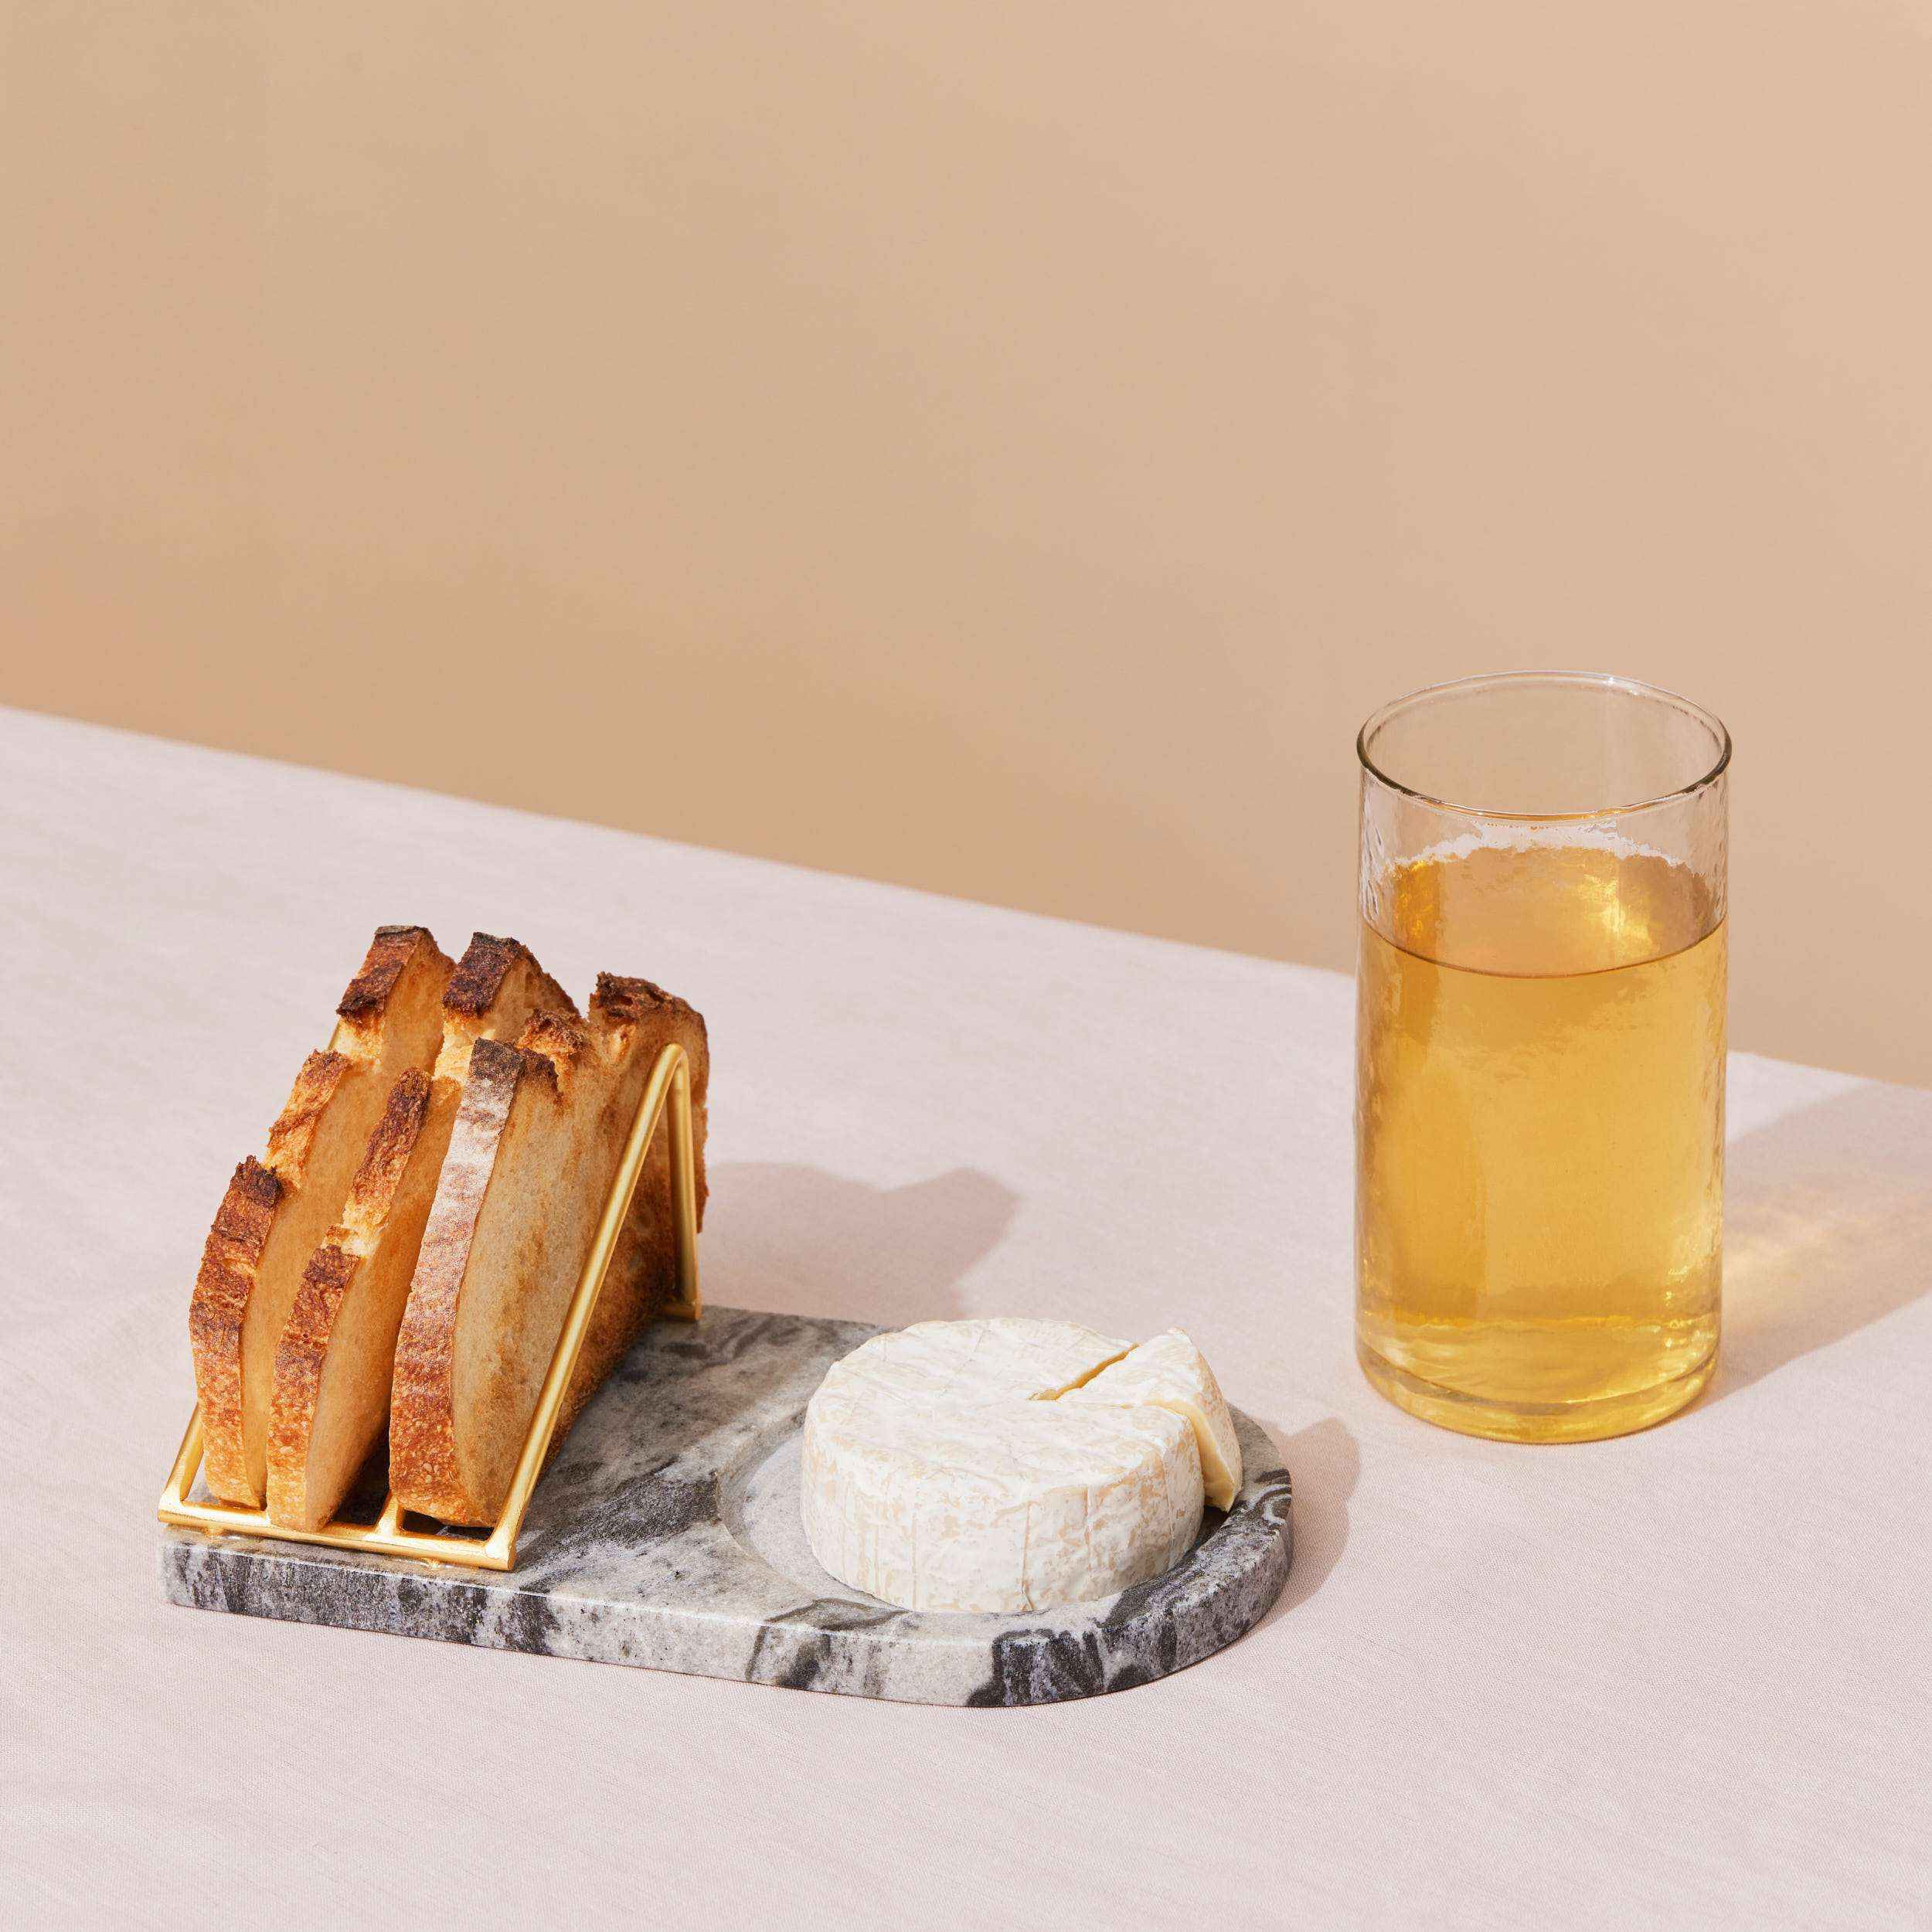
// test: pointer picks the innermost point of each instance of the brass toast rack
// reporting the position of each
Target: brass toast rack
(668, 1089)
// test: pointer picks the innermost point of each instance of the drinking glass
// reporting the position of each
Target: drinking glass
(1539, 1082)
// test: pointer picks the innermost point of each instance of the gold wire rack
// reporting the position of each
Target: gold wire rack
(389, 1536)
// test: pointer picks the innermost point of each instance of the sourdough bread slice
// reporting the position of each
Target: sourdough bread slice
(278, 1208)
(539, 1135)
(333, 1365)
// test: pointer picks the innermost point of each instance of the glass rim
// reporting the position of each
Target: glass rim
(1605, 680)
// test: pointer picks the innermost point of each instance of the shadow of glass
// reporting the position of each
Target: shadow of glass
(798, 1240)
(1324, 1463)
(1827, 1225)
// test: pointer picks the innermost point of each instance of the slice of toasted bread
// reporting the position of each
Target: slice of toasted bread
(333, 1366)
(278, 1208)
(539, 1136)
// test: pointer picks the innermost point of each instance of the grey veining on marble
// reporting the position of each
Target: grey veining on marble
(666, 1534)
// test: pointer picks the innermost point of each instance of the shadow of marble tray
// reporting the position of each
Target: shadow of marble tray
(666, 1534)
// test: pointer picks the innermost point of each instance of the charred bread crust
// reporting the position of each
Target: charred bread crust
(299, 1359)
(423, 1464)
(294, 1132)
(559, 1043)
(304, 1348)
(389, 953)
(391, 1142)
(618, 1002)
(305, 1340)
(229, 1259)
(487, 962)
(317, 1415)
(643, 1281)
(218, 1309)
(697, 1045)
(239, 1241)
(627, 1018)
(496, 985)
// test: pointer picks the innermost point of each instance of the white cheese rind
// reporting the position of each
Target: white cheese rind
(997, 1358)
(1171, 1371)
(941, 1472)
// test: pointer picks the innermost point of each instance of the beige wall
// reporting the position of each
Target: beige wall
(1004, 448)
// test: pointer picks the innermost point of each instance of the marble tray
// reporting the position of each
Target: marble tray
(666, 1534)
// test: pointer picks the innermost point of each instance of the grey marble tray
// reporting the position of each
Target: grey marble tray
(666, 1534)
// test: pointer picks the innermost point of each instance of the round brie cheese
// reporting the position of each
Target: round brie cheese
(943, 1469)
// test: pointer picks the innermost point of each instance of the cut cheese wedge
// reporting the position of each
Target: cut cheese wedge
(1171, 1373)
(948, 1467)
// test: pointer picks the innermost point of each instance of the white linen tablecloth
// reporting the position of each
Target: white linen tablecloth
(1678, 1679)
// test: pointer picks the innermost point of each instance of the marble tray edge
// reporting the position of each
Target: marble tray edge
(790, 1638)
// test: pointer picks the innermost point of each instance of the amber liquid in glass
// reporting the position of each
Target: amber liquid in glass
(1540, 1128)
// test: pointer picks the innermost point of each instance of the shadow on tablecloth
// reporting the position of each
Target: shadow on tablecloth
(1828, 1227)
(799, 1240)
(1324, 1463)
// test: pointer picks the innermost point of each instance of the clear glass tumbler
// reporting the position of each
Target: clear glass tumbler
(1539, 1086)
